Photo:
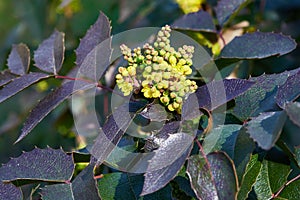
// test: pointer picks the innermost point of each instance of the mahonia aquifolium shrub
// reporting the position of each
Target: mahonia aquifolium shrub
(158, 71)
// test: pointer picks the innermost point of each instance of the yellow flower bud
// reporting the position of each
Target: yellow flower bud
(173, 60)
(170, 107)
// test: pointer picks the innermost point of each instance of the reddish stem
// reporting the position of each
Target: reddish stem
(286, 184)
(98, 177)
(222, 38)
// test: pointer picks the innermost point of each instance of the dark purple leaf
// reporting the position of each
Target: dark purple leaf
(6, 77)
(39, 164)
(9, 191)
(19, 84)
(217, 93)
(258, 45)
(261, 96)
(293, 111)
(226, 8)
(266, 128)
(99, 32)
(113, 130)
(84, 186)
(289, 91)
(130, 185)
(155, 180)
(19, 59)
(46, 105)
(197, 21)
(214, 177)
(50, 54)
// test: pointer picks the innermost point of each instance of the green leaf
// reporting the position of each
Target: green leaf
(214, 177)
(20, 83)
(297, 154)
(266, 128)
(127, 186)
(289, 91)
(155, 112)
(293, 111)
(258, 45)
(249, 178)
(19, 59)
(50, 54)
(271, 177)
(291, 191)
(9, 191)
(217, 137)
(227, 8)
(243, 149)
(57, 191)
(261, 96)
(39, 164)
(197, 21)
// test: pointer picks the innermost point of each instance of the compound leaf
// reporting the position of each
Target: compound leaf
(258, 45)
(226, 8)
(130, 185)
(291, 191)
(19, 59)
(39, 164)
(213, 177)
(9, 191)
(50, 54)
(94, 36)
(19, 84)
(45, 106)
(197, 21)
(266, 128)
(289, 91)
(6, 77)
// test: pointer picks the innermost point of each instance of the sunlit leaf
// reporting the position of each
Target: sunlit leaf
(266, 128)
(198, 21)
(6, 77)
(97, 33)
(57, 191)
(19, 84)
(289, 91)
(226, 8)
(249, 178)
(261, 96)
(258, 45)
(214, 177)
(50, 54)
(271, 177)
(19, 59)
(155, 180)
(39, 164)
(221, 138)
(113, 130)
(217, 93)
(130, 185)
(188, 6)
(9, 191)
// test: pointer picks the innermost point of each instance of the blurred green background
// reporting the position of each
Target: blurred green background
(31, 21)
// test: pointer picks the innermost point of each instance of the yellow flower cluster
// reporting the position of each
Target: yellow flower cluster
(158, 71)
